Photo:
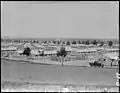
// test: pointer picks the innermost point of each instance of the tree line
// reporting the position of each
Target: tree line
(68, 42)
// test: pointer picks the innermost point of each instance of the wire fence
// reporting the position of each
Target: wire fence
(55, 58)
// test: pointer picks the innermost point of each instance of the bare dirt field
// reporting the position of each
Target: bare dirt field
(55, 74)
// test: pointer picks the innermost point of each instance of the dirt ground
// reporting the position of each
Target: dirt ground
(24, 76)
(55, 74)
(32, 87)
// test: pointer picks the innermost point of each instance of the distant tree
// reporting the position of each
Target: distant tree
(74, 42)
(94, 42)
(102, 43)
(63, 42)
(58, 42)
(68, 43)
(79, 42)
(87, 42)
(27, 51)
(110, 43)
(83, 42)
(62, 53)
(54, 42)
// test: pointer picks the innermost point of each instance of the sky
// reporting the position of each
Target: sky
(59, 19)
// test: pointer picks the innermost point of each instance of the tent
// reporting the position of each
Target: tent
(50, 52)
(86, 50)
(112, 55)
(38, 46)
(9, 48)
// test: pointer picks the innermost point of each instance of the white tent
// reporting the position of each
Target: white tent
(68, 48)
(112, 55)
(39, 46)
(50, 52)
(35, 52)
(9, 48)
(86, 50)
(20, 51)
(111, 49)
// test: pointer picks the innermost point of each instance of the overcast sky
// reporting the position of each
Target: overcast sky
(57, 19)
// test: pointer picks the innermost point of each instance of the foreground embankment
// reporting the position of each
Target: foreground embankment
(33, 87)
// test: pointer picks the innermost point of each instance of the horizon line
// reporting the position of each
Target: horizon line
(14, 37)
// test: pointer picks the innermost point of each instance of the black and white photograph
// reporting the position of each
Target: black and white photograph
(60, 46)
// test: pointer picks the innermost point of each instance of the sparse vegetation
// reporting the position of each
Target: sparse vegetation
(87, 42)
(110, 43)
(27, 51)
(68, 43)
(79, 42)
(94, 42)
(62, 53)
(74, 42)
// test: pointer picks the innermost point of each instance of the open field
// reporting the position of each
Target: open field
(57, 74)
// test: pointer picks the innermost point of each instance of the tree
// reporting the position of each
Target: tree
(110, 43)
(79, 42)
(74, 42)
(68, 43)
(87, 42)
(58, 42)
(62, 53)
(54, 42)
(27, 51)
(94, 42)
(83, 42)
(63, 42)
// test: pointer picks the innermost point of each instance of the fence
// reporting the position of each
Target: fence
(70, 57)
(79, 56)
